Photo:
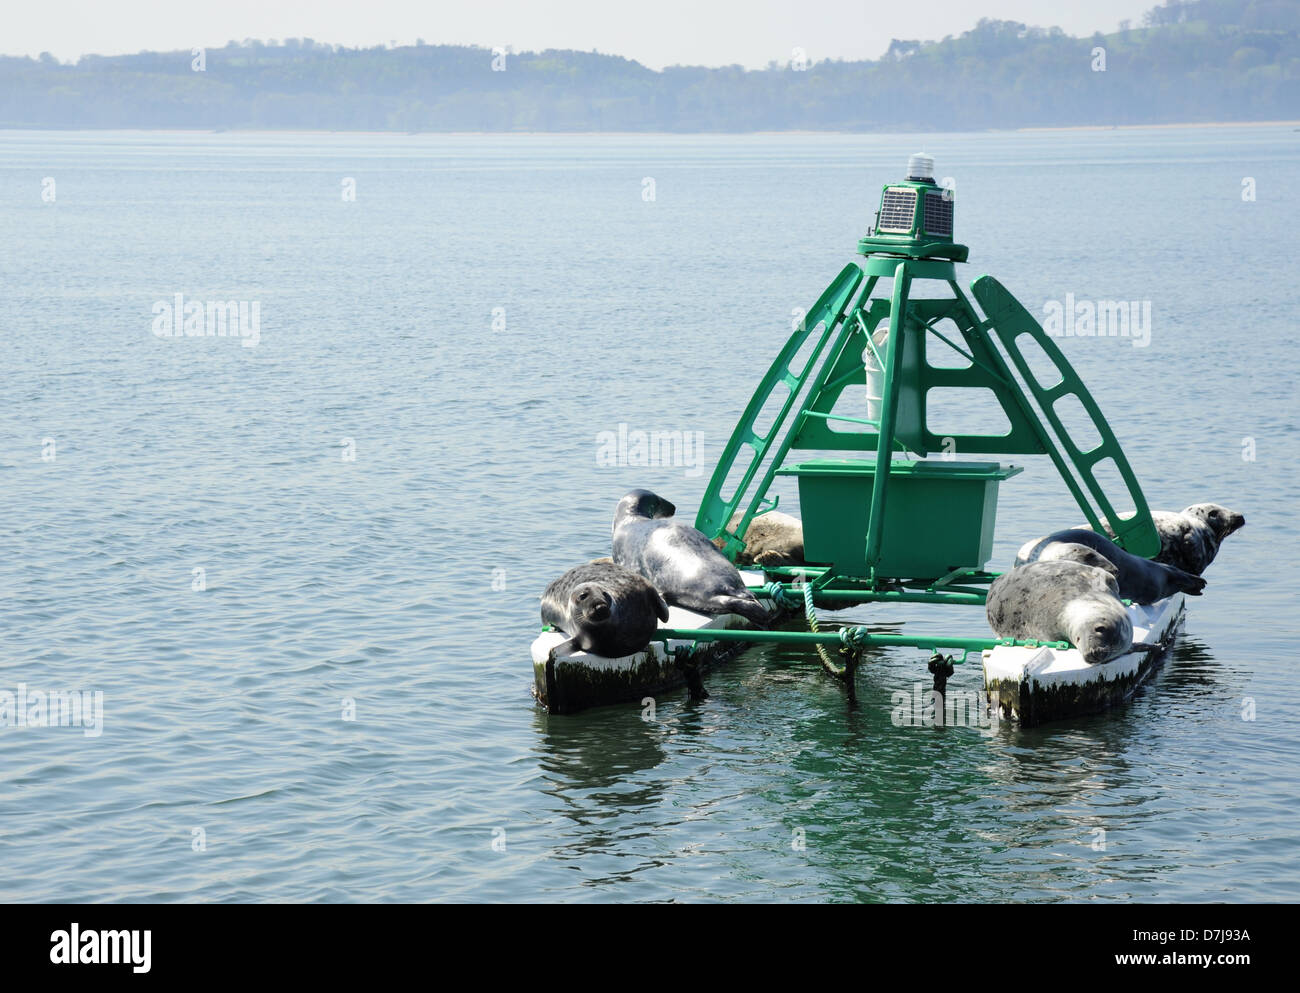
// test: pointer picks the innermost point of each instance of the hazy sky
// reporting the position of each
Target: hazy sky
(654, 32)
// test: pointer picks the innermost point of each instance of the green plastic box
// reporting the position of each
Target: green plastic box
(939, 515)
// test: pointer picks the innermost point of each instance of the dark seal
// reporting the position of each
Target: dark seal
(604, 609)
(1140, 580)
(1072, 552)
(1061, 601)
(681, 563)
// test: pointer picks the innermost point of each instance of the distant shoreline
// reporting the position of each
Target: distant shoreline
(8, 128)
(1130, 127)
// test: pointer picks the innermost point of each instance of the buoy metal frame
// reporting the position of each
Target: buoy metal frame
(842, 328)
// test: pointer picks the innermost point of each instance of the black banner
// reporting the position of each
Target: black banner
(138, 943)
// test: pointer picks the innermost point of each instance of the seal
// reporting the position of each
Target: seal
(1070, 551)
(1190, 538)
(1061, 601)
(604, 609)
(1140, 580)
(1213, 523)
(1184, 542)
(682, 564)
(771, 539)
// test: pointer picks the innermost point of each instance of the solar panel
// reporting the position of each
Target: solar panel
(897, 209)
(938, 215)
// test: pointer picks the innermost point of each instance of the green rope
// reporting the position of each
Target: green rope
(811, 616)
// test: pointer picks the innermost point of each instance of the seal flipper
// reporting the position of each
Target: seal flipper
(1187, 582)
(747, 607)
(660, 607)
(566, 648)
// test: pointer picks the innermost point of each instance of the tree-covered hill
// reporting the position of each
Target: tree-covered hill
(1190, 60)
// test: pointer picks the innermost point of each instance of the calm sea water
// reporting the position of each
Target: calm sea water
(481, 310)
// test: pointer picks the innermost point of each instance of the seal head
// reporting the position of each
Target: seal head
(1218, 519)
(604, 608)
(1061, 600)
(642, 505)
(1098, 625)
(1189, 538)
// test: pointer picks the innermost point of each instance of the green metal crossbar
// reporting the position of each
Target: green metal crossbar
(838, 599)
(856, 636)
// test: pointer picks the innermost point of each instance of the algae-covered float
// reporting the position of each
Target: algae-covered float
(1033, 685)
(893, 508)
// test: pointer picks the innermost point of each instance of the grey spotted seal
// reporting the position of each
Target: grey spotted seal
(681, 563)
(1190, 538)
(604, 609)
(1061, 601)
(771, 539)
(1218, 519)
(1140, 580)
